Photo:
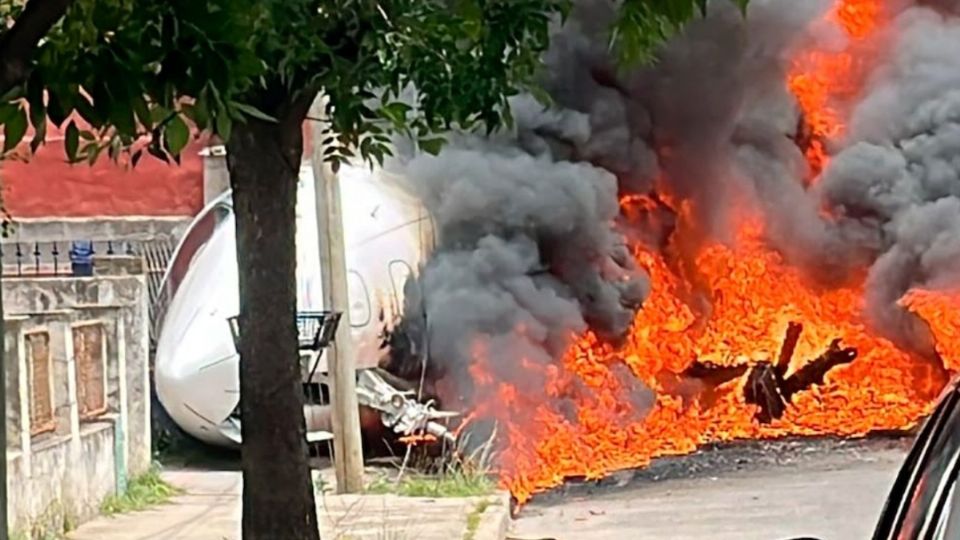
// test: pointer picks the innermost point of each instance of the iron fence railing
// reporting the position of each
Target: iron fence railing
(52, 259)
(45, 259)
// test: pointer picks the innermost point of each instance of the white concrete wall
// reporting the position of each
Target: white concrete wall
(64, 476)
(58, 486)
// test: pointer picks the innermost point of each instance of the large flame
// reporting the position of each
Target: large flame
(608, 407)
(941, 311)
(825, 81)
(584, 423)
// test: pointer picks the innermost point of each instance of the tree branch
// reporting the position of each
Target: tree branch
(19, 42)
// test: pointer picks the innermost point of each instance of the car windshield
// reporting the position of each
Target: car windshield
(930, 506)
(949, 525)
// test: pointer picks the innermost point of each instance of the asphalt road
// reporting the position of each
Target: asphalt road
(827, 489)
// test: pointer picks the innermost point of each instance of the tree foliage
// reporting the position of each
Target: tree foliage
(643, 25)
(140, 72)
(145, 74)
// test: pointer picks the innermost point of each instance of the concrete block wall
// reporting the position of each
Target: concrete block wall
(117, 229)
(64, 475)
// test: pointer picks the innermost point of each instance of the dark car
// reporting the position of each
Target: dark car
(924, 503)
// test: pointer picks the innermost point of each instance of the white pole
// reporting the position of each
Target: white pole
(341, 356)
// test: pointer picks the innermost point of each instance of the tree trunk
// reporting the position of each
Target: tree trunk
(278, 501)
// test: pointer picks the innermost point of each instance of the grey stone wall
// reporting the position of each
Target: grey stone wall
(67, 473)
(11, 347)
(99, 229)
(53, 488)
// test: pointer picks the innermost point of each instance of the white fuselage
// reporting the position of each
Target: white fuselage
(387, 234)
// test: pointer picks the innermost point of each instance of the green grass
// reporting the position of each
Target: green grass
(473, 519)
(453, 473)
(142, 492)
(453, 484)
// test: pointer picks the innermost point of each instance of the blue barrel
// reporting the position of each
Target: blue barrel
(81, 258)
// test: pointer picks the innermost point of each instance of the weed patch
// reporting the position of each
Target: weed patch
(142, 492)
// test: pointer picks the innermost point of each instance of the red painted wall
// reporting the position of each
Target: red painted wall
(48, 186)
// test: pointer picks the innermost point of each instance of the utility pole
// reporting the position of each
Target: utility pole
(216, 177)
(341, 357)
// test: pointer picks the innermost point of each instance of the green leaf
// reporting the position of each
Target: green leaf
(396, 112)
(87, 112)
(39, 136)
(252, 112)
(55, 109)
(432, 146)
(142, 110)
(113, 149)
(159, 114)
(157, 152)
(12, 93)
(197, 113)
(224, 126)
(176, 135)
(92, 151)
(14, 129)
(7, 111)
(123, 120)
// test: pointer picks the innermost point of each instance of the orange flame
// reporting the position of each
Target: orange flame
(593, 412)
(753, 296)
(824, 82)
(859, 18)
(941, 311)
(418, 438)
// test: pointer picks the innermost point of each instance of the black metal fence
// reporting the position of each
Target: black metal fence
(47, 259)
(52, 259)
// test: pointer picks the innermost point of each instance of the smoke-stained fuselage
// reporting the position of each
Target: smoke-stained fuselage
(387, 234)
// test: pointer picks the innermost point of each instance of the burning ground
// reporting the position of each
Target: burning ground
(758, 236)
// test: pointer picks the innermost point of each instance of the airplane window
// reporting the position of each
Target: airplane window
(426, 220)
(359, 300)
(400, 271)
(192, 243)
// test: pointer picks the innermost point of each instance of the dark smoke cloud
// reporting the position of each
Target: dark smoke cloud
(899, 171)
(526, 218)
(527, 256)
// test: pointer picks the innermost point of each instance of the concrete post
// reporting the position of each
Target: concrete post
(342, 362)
(23, 386)
(216, 178)
(72, 383)
(120, 433)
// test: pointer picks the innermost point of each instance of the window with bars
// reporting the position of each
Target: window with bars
(40, 382)
(89, 353)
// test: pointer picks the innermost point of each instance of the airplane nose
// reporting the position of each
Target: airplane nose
(205, 342)
(197, 372)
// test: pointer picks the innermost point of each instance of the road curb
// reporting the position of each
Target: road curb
(495, 520)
